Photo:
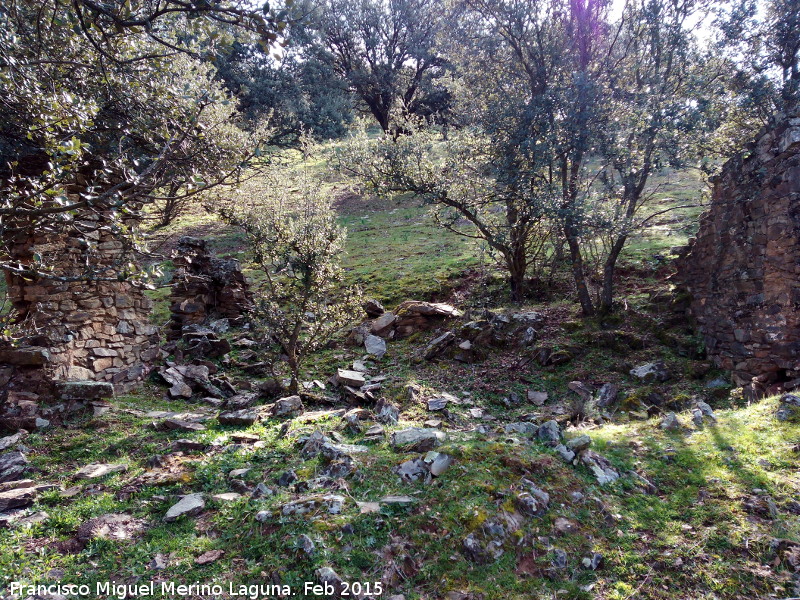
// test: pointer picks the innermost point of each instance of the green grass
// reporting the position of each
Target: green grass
(696, 517)
(701, 534)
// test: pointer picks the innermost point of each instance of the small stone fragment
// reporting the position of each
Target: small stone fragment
(593, 562)
(209, 557)
(550, 432)
(374, 345)
(652, 372)
(670, 422)
(438, 462)
(190, 505)
(537, 398)
(287, 406)
(579, 444)
(97, 470)
(559, 559)
(305, 544)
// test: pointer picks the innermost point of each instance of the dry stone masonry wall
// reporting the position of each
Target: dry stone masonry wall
(743, 269)
(95, 330)
(205, 286)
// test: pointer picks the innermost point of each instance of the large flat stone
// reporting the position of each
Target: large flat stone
(12, 465)
(189, 505)
(17, 498)
(97, 470)
(417, 439)
(85, 390)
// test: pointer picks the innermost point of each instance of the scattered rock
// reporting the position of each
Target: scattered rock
(287, 478)
(522, 428)
(190, 505)
(670, 423)
(12, 440)
(179, 425)
(541, 496)
(565, 453)
(438, 462)
(305, 544)
(717, 384)
(263, 516)
(581, 389)
(527, 504)
(559, 559)
(13, 465)
(373, 308)
(413, 470)
(593, 562)
(439, 402)
(438, 345)
(475, 551)
(707, 411)
(579, 444)
(607, 395)
(413, 316)
(17, 498)
(33, 519)
(351, 378)
(97, 470)
(386, 412)
(209, 557)
(226, 497)
(178, 386)
(374, 345)
(564, 526)
(244, 417)
(417, 439)
(550, 432)
(397, 500)
(112, 526)
(600, 466)
(241, 400)
(331, 503)
(287, 406)
(188, 445)
(789, 408)
(327, 576)
(652, 372)
(537, 398)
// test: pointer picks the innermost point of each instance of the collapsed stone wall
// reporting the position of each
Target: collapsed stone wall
(743, 268)
(204, 287)
(90, 330)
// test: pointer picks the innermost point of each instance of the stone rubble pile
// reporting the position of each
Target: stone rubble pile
(205, 287)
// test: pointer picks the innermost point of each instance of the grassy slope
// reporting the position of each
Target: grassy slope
(693, 535)
(694, 538)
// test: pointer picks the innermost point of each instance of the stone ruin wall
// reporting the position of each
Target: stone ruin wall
(205, 287)
(97, 330)
(742, 270)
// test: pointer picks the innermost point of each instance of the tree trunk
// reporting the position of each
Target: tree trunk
(607, 295)
(294, 372)
(517, 265)
(380, 113)
(576, 259)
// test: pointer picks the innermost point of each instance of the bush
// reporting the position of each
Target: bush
(297, 245)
